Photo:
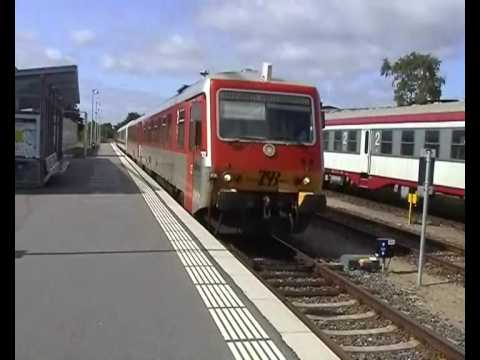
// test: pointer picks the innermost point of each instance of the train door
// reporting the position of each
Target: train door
(365, 153)
(196, 149)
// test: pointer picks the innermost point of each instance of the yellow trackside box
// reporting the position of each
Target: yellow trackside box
(412, 198)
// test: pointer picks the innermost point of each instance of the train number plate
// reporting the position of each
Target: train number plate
(269, 178)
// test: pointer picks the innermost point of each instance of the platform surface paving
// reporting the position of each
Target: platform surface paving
(95, 277)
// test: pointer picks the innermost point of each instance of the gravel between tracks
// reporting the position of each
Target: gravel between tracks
(406, 301)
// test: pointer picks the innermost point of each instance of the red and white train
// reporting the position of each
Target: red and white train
(238, 145)
(378, 148)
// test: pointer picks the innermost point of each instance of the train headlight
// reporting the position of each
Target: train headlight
(227, 177)
(306, 180)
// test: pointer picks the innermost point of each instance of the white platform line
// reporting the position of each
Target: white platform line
(192, 276)
(231, 317)
(204, 297)
(226, 324)
(243, 326)
(234, 351)
(236, 326)
(260, 351)
(200, 276)
(222, 329)
(251, 351)
(267, 349)
(243, 350)
(275, 350)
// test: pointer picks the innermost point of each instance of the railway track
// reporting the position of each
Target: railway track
(348, 318)
(443, 259)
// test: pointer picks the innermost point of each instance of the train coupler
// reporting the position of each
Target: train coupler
(267, 211)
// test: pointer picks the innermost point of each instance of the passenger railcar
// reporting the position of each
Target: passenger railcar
(378, 148)
(237, 145)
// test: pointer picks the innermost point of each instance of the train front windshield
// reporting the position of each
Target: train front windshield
(265, 117)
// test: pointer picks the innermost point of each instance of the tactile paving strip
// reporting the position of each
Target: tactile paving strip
(245, 337)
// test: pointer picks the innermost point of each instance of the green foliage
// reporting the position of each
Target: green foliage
(107, 131)
(130, 117)
(416, 78)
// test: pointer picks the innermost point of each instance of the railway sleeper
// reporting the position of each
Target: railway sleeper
(322, 306)
(298, 282)
(380, 330)
(283, 267)
(401, 346)
(358, 316)
(269, 274)
(325, 291)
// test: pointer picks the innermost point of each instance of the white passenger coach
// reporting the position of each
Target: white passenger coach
(381, 147)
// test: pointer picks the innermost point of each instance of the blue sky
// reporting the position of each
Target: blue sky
(139, 52)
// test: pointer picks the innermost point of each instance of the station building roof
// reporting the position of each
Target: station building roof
(62, 79)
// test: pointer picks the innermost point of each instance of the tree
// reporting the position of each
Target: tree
(416, 78)
(107, 131)
(130, 117)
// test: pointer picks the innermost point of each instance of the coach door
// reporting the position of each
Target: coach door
(196, 150)
(365, 153)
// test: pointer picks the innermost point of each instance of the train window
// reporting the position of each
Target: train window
(195, 126)
(181, 128)
(257, 116)
(408, 143)
(458, 145)
(168, 122)
(432, 140)
(367, 138)
(386, 142)
(326, 135)
(337, 141)
(352, 141)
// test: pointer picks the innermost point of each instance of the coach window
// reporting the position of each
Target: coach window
(458, 145)
(337, 141)
(181, 128)
(386, 142)
(168, 124)
(195, 126)
(408, 143)
(432, 140)
(325, 140)
(352, 141)
(367, 138)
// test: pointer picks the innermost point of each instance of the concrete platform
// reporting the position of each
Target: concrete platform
(108, 266)
(442, 230)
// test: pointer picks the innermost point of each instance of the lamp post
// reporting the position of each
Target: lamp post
(85, 134)
(97, 103)
(94, 92)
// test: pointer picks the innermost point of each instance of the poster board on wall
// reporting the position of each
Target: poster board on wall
(27, 136)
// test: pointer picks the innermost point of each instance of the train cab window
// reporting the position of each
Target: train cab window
(352, 141)
(386, 142)
(337, 141)
(326, 136)
(432, 140)
(457, 150)
(195, 126)
(181, 128)
(408, 143)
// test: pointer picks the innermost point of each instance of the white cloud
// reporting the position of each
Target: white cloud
(82, 37)
(331, 40)
(30, 52)
(117, 102)
(170, 56)
(53, 54)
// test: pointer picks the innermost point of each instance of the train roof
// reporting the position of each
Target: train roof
(440, 107)
(188, 91)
